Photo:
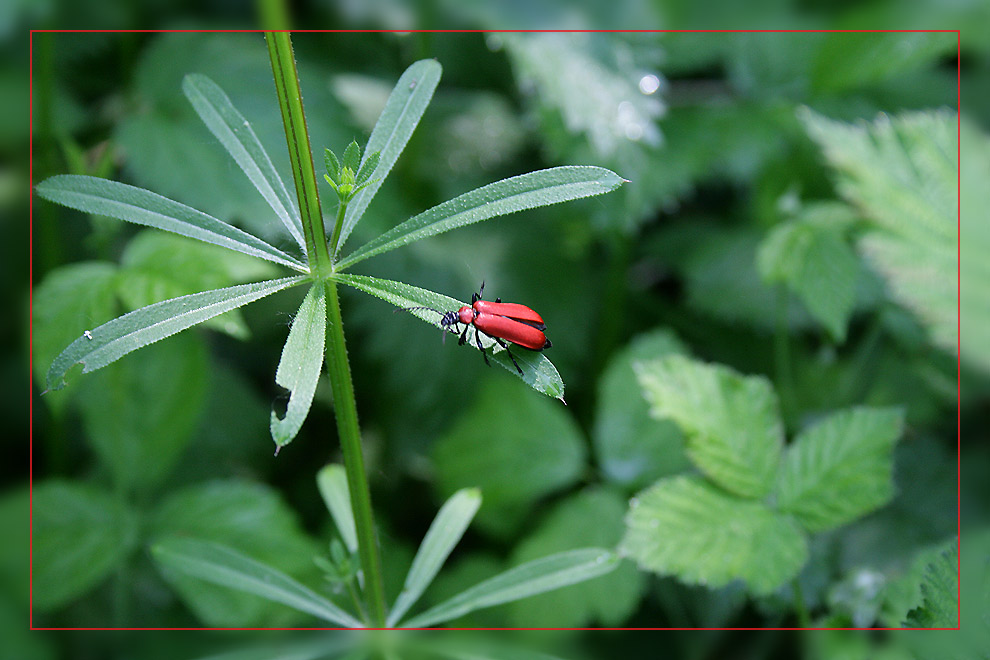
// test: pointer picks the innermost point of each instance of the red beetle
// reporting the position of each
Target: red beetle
(500, 321)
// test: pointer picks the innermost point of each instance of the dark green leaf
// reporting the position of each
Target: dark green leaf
(940, 594)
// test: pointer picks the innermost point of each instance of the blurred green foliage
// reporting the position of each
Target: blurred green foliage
(724, 174)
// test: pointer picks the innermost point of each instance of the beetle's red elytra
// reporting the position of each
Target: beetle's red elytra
(501, 321)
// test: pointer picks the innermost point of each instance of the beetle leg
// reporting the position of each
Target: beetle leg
(463, 336)
(506, 347)
(477, 337)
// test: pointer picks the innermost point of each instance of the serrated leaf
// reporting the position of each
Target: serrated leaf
(810, 256)
(368, 167)
(352, 156)
(332, 483)
(535, 449)
(219, 564)
(238, 138)
(332, 164)
(592, 516)
(688, 528)
(731, 422)
(143, 207)
(114, 339)
(444, 533)
(538, 372)
(901, 174)
(402, 112)
(841, 468)
(632, 448)
(301, 363)
(940, 594)
(519, 193)
(80, 535)
(529, 579)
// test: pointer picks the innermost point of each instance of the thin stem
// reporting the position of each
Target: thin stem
(338, 223)
(802, 610)
(345, 410)
(300, 154)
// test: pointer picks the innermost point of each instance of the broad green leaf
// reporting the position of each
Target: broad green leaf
(114, 339)
(975, 246)
(156, 266)
(224, 566)
(810, 256)
(332, 483)
(515, 447)
(731, 422)
(939, 593)
(632, 448)
(841, 468)
(689, 528)
(519, 193)
(140, 414)
(593, 516)
(444, 533)
(238, 138)
(143, 207)
(80, 295)
(299, 368)
(529, 579)
(403, 110)
(538, 372)
(901, 175)
(254, 519)
(80, 535)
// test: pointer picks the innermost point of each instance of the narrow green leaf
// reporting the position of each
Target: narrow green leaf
(731, 422)
(519, 193)
(332, 482)
(222, 565)
(403, 110)
(445, 532)
(80, 535)
(529, 579)
(368, 167)
(841, 468)
(332, 165)
(352, 156)
(299, 368)
(143, 207)
(538, 372)
(687, 527)
(238, 138)
(114, 339)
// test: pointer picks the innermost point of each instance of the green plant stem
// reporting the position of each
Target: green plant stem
(338, 223)
(804, 620)
(345, 410)
(300, 154)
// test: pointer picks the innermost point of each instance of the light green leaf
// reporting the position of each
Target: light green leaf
(538, 372)
(590, 517)
(80, 535)
(975, 267)
(534, 448)
(114, 339)
(810, 256)
(299, 368)
(143, 207)
(940, 594)
(352, 156)
(332, 483)
(689, 528)
(631, 447)
(403, 110)
(529, 579)
(901, 175)
(222, 565)
(519, 193)
(731, 422)
(841, 468)
(238, 138)
(444, 533)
